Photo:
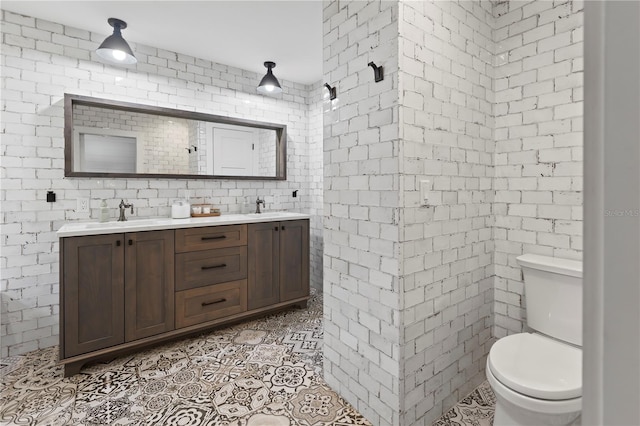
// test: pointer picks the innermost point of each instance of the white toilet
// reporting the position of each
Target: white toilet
(537, 377)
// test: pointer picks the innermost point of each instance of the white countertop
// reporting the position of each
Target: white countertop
(75, 229)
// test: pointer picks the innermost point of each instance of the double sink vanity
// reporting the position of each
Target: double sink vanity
(130, 284)
(127, 285)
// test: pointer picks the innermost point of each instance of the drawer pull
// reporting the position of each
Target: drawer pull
(218, 237)
(213, 302)
(222, 265)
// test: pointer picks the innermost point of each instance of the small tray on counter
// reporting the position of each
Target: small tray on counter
(205, 214)
(198, 210)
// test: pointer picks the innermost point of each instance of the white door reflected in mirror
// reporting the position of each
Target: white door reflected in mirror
(241, 151)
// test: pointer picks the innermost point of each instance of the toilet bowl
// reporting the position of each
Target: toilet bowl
(537, 377)
(537, 381)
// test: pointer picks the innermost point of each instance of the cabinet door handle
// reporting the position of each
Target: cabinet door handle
(283, 227)
(213, 302)
(130, 242)
(118, 243)
(275, 228)
(222, 265)
(219, 237)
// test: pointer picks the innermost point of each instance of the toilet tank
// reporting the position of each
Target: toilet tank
(553, 293)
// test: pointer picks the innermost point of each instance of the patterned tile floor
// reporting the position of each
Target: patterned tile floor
(266, 372)
(476, 409)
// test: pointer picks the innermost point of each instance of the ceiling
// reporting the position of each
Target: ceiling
(239, 33)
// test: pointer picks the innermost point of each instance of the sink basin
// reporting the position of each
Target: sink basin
(268, 215)
(125, 224)
(99, 225)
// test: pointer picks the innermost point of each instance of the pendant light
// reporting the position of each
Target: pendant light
(269, 84)
(114, 48)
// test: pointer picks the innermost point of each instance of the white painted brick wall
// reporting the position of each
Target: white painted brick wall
(436, 271)
(314, 197)
(446, 129)
(361, 183)
(41, 61)
(538, 136)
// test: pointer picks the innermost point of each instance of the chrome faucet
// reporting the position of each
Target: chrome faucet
(124, 206)
(258, 202)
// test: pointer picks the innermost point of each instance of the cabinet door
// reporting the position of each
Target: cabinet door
(93, 289)
(263, 276)
(149, 283)
(294, 259)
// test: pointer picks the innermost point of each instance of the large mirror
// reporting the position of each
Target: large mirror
(105, 138)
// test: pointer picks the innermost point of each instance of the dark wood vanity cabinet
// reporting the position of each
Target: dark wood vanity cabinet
(124, 291)
(92, 273)
(278, 262)
(263, 275)
(294, 259)
(117, 288)
(149, 284)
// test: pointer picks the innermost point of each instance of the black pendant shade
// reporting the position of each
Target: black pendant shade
(114, 48)
(269, 85)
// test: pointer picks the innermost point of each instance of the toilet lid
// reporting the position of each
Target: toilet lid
(537, 366)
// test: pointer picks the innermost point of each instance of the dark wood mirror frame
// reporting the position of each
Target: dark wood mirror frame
(71, 100)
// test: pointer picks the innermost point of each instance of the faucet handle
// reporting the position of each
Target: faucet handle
(124, 205)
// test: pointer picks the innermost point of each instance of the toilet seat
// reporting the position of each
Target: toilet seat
(537, 366)
(528, 403)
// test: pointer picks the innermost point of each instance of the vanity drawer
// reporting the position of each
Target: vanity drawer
(204, 304)
(203, 268)
(211, 237)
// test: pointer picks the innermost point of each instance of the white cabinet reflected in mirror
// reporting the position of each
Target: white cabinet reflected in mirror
(118, 139)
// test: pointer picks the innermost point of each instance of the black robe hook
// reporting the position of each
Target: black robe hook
(377, 72)
(332, 91)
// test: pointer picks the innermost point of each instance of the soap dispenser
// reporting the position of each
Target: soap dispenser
(104, 211)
